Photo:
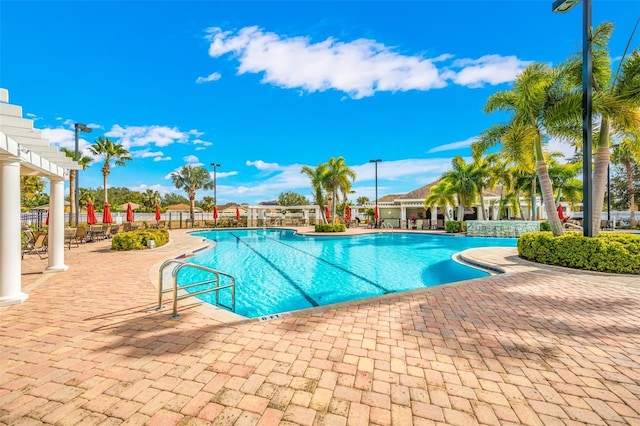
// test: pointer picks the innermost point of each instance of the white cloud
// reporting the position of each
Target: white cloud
(134, 136)
(220, 174)
(452, 146)
(358, 68)
(556, 145)
(156, 159)
(261, 165)
(211, 77)
(192, 160)
(146, 153)
(489, 69)
(201, 142)
(65, 138)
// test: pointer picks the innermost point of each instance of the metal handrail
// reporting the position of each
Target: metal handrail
(174, 275)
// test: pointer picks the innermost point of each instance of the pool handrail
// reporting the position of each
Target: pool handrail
(174, 290)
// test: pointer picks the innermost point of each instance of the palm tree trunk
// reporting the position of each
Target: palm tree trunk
(632, 193)
(600, 175)
(105, 173)
(72, 196)
(481, 215)
(548, 200)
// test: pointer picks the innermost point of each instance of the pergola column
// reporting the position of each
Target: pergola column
(10, 235)
(56, 226)
(434, 216)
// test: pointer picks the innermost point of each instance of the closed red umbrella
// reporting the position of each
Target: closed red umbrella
(215, 212)
(129, 213)
(560, 213)
(106, 214)
(157, 211)
(327, 213)
(376, 214)
(347, 213)
(237, 213)
(46, 222)
(91, 214)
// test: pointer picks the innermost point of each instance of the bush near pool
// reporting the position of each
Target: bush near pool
(137, 240)
(615, 253)
(328, 227)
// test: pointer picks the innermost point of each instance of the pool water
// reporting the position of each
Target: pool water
(278, 271)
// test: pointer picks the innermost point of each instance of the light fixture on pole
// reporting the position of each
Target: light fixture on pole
(562, 6)
(377, 211)
(76, 190)
(215, 198)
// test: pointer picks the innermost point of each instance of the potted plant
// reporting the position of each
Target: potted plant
(413, 218)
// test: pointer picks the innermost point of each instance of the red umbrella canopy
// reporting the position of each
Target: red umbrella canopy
(129, 213)
(157, 211)
(46, 222)
(237, 213)
(560, 213)
(91, 214)
(106, 214)
(377, 213)
(215, 212)
(347, 213)
(327, 213)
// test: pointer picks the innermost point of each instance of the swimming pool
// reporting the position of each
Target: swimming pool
(278, 271)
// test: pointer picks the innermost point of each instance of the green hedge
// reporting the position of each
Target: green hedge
(454, 226)
(137, 240)
(617, 253)
(328, 227)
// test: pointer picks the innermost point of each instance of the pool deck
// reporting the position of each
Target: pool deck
(536, 345)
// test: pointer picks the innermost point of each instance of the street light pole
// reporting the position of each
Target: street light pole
(587, 122)
(215, 197)
(376, 167)
(76, 190)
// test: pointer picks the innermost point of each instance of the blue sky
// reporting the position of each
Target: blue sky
(266, 87)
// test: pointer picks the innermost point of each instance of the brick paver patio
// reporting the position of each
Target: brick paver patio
(534, 346)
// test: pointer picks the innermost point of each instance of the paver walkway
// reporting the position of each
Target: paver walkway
(533, 346)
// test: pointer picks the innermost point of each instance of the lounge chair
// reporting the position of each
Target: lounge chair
(70, 236)
(37, 246)
(81, 234)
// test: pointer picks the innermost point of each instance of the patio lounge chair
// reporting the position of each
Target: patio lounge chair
(37, 246)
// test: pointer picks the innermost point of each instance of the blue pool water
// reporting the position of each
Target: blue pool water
(278, 271)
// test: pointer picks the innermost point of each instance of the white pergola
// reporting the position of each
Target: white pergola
(23, 151)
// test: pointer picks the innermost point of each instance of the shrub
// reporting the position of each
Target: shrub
(544, 226)
(328, 227)
(137, 240)
(454, 226)
(617, 253)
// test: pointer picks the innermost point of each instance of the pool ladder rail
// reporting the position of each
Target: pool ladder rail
(215, 280)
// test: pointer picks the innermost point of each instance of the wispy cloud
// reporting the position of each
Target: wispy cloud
(211, 77)
(359, 68)
(192, 160)
(452, 146)
(135, 136)
(65, 138)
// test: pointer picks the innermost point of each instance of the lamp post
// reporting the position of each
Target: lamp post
(376, 165)
(562, 6)
(76, 190)
(215, 197)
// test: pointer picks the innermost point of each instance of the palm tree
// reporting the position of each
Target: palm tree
(462, 179)
(83, 161)
(442, 194)
(627, 153)
(362, 200)
(192, 178)
(533, 102)
(484, 173)
(616, 99)
(317, 177)
(150, 198)
(338, 178)
(109, 151)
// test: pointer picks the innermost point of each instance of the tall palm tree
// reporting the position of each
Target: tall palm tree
(463, 179)
(533, 104)
(616, 100)
(484, 173)
(442, 194)
(627, 153)
(317, 177)
(109, 151)
(192, 178)
(83, 161)
(338, 178)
